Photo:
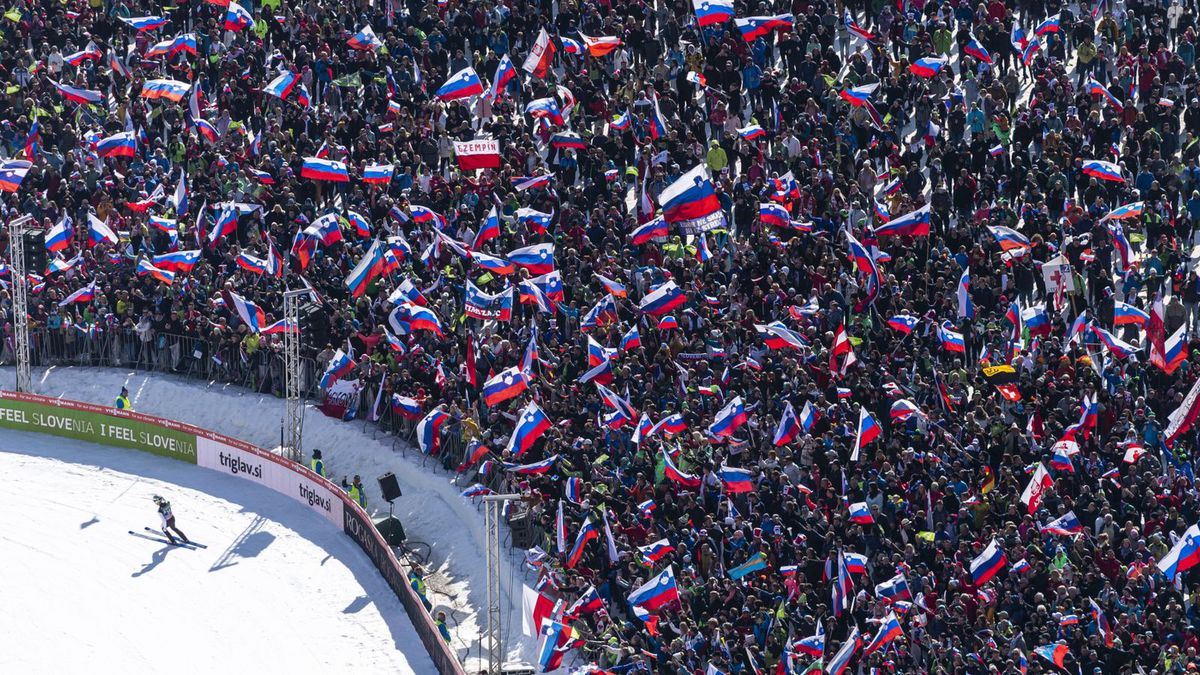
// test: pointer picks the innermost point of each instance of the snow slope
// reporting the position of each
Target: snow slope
(278, 589)
(431, 509)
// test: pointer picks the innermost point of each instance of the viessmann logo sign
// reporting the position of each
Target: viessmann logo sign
(97, 427)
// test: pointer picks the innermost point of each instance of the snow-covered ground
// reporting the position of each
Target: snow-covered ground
(431, 509)
(277, 590)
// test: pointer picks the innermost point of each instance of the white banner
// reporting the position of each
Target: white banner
(272, 472)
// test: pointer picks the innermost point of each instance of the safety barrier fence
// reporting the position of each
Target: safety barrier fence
(217, 452)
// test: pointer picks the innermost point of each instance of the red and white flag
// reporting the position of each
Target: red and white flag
(538, 61)
(1157, 335)
(478, 154)
(1038, 484)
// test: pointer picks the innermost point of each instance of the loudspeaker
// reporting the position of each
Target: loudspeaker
(392, 531)
(34, 244)
(389, 487)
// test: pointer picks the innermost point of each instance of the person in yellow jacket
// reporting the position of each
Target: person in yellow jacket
(356, 491)
(317, 464)
(122, 402)
(716, 158)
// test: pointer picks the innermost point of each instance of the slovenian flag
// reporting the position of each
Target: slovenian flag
(504, 385)
(1103, 170)
(672, 473)
(522, 183)
(505, 72)
(652, 553)
(888, 631)
(855, 29)
(1096, 89)
(463, 84)
(532, 424)
(429, 431)
(729, 418)
(1116, 346)
(547, 109)
(1009, 239)
(663, 299)
(713, 12)
(538, 259)
(1125, 314)
(77, 95)
(974, 48)
(238, 17)
(316, 168)
(951, 339)
(123, 144)
(145, 267)
(534, 469)
(180, 43)
(735, 479)
(281, 87)
(85, 294)
(789, 426)
(586, 533)
(770, 213)
(912, 224)
(893, 589)
(752, 132)
(1183, 556)
(378, 174)
(406, 407)
(754, 27)
(648, 232)
(1131, 210)
(987, 564)
(180, 262)
(365, 40)
(690, 197)
(861, 513)
(903, 323)
(928, 66)
(99, 232)
(253, 316)
(144, 23)
(868, 430)
(1066, 525)
(1050, 25)
(12, 173)
(58, 237)
(859, 96)
(655, 593)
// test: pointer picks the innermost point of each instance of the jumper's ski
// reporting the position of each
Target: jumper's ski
(161, 540)
(180, 543)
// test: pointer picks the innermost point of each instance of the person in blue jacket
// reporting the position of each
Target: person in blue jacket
(122, 402)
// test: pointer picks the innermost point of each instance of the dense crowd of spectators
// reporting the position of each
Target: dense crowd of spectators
(982, 145)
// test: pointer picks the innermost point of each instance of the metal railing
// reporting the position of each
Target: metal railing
(212, 359)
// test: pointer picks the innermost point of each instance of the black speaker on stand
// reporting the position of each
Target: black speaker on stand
(390, 527)
(389, 487)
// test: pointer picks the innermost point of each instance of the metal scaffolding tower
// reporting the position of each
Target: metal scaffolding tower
(293, 415)
(493, 635)
(16, 254)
